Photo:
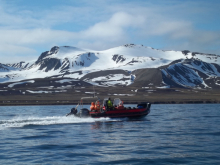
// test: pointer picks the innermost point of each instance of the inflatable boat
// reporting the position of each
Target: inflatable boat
(118, 110)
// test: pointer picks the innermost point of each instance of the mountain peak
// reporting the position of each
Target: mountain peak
(53, 50)
(129, 45)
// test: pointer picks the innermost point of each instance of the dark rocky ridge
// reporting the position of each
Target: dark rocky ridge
(49, 64)
(3, 67)
(53, 50)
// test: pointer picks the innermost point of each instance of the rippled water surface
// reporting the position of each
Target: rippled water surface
(170, 134)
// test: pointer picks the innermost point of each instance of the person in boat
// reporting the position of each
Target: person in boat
(109, 104)
(92, 107)
(95, 106)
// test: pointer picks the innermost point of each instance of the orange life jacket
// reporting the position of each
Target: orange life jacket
(92, 107)
(97, 106)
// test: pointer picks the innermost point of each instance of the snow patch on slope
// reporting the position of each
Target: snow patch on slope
(111, 80)
(24, 82)
(183, 75)
(45, 91)
(65, 81)
(208, 69)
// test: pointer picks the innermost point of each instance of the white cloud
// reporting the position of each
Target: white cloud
(15, 49)
(14, 53)
(100, 25)
(175, 29)
(30, 37)
(113, 28)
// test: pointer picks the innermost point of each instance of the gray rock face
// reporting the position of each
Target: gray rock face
(118, 58)
(3, 67)
(191, 73)
(53, 50)
(49, 64)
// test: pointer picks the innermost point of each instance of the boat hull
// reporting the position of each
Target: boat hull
(118, 112)
(130, 113)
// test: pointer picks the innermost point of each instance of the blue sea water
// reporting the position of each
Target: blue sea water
(170, 134)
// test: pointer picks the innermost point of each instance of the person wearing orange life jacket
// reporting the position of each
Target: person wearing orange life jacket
(92, 107)
(97, 105)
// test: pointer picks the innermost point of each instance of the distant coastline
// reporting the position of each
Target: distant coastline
(128, 94)
(87, 103)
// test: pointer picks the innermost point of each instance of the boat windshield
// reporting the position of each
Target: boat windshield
(117, 102)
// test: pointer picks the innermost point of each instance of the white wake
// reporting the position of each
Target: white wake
(49, 120)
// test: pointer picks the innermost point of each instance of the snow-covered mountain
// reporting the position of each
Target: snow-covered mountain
(129, 64)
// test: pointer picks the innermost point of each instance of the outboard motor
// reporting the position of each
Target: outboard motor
(72, 112)
(84, 112)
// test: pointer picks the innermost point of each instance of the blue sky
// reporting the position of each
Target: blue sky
(28, 28)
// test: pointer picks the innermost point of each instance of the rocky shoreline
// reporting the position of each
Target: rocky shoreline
(130, 95)
(87, 103)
